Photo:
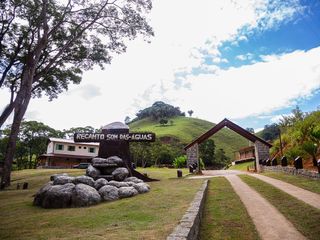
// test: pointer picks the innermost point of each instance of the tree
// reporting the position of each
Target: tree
(163, 121)
(207, 152)
(270, 132)
(127, 120)
(45, 45)
(190, 112)
(221, 158)
(251, 130)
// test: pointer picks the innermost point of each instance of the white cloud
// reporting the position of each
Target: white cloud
(248, 56)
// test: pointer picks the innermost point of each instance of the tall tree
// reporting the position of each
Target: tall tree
(190, 112)
(207, 152)
(45, 45)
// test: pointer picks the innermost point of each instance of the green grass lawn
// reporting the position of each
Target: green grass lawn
(147, 216)
(312, 185)
(304, 217)
(225, 217)
(241, 166)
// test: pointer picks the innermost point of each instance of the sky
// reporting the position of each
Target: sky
(250, 61)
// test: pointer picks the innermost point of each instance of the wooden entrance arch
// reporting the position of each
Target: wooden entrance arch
(261, 146)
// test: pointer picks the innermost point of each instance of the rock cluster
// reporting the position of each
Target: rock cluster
(66, 191)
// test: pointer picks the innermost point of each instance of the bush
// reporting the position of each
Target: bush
(180, 162)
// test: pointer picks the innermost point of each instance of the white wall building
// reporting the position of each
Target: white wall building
(64, 153)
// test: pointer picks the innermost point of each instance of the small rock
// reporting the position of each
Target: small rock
(120, 174)
(125, 192)
(58, 196)
(118, 184)
(85, 180)
(100, 183)
(53, 177)
(60, 180)
(84, 195)
(142, 187)
(92, 172)
(112, 161)
(133, 179)
(109, 193)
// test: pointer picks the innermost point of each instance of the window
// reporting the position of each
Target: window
(59, 147)
(79, 147)
(92, 150)
(71, 148)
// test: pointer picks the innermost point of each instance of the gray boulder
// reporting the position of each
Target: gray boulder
(37, 201)
(60, 180)
(58, 196)
(120, 174)
(85, 180)
(109, 193)
(125, 192)
(118, 184)
(53, 177)
(133, 179)
(92, 172)
(84, 195)
(112, 161)
(100, 183)
(142, 187)
(130, 184)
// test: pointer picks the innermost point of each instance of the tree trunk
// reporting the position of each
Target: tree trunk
(6, 113)
(314, 160)
(23, 96)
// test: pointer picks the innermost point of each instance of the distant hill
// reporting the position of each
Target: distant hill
(185, 129)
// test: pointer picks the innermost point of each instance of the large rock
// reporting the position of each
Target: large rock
(93, 172)
(41, 193)
(58, 196)
(142, 187)
(118, 184)
(85, 180)
(62, 179)
(100, 183)
(53, 177)
(109, 193)
(84, 195)
(113, 161)
(120, 174)
(125, 192)
(133, 179)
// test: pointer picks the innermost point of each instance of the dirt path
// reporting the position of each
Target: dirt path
(270, 223)
(308, 197)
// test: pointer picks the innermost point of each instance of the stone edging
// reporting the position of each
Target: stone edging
(189, 225)
(292, 170)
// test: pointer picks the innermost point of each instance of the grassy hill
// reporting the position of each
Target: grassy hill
(185, 129)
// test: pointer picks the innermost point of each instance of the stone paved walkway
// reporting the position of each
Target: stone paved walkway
(270, 223)
(306, 196)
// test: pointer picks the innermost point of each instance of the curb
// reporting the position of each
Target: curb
(189, 225)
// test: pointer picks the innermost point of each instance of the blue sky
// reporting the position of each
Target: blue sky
(250, 61)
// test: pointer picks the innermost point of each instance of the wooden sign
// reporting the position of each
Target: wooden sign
(101, 137)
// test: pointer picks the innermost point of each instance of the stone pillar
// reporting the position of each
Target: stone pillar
(261, 153)
(193, 155)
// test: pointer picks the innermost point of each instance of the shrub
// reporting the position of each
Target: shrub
(180, 162)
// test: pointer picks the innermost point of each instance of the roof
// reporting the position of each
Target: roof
(71, 141)
(227, 123)
(65, 156)
(245, 149)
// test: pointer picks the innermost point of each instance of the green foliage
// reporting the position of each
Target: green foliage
(154, 154)
(159, 110)
(270, 132)
(221, 159)
(163, 121)
(207, 152)
(180, 162)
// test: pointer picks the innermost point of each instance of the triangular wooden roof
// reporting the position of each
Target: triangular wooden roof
(227, 123)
